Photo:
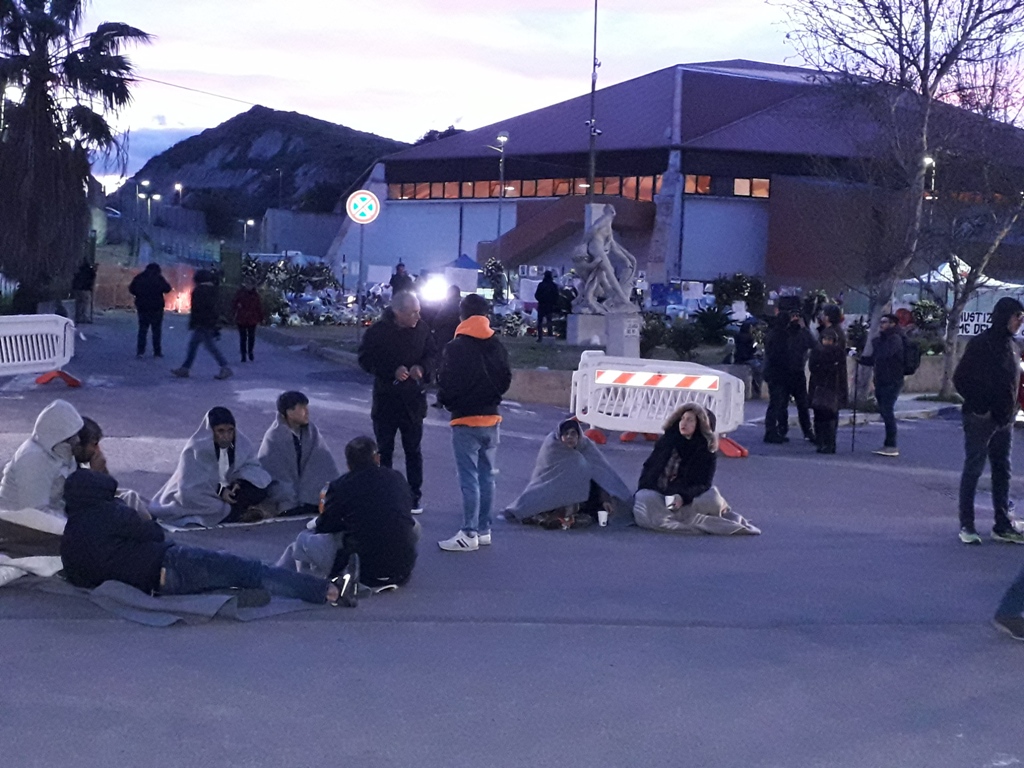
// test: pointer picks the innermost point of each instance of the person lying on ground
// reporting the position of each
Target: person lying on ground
(366, 512)
(89, 455)
(217, 480)
(105, 540)
(571, 481)
(296, 457)
(677, 491)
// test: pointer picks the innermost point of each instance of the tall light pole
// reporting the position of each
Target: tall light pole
(502, 139)
(592, 122)
(246, 223)
(179, 190)
(149, 206)
(138, 228)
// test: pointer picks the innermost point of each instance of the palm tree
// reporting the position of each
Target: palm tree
(70, 82)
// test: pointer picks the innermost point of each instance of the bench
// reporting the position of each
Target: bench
(41, 344)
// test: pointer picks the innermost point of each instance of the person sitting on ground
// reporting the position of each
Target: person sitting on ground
(571, 481)
(366, 512)
(89, 455)
(32, 488)
(105, 540)
(218, 478)
(677, 491)
(828, 388)
(296, 457)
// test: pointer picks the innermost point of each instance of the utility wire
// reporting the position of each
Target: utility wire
(194, 90)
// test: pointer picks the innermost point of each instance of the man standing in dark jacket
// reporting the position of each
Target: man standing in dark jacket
(888, 354)
(371, 505)
(547, 301)
(149, 287)
(785, 360)
(987, 378)
(475, 373)
(105, 540)
(399, 351)
(204, 322)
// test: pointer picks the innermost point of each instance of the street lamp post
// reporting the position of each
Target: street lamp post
(592, 122)
(178, 191)
(246, 223)
(149, 206)
(502, 139)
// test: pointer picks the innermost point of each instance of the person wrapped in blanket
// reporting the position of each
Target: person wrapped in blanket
(677, 491)
(571, 481)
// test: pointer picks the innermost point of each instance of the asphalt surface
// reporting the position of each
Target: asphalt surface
(853, 632)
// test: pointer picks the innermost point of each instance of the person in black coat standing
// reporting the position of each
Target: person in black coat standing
(785, 360)
(829, 391)
(204, 322)
(399, 351)
(149, 288)
(547, 302)
(988, 377)
(888, 356)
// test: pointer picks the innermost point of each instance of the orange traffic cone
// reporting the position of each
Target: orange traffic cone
(731, 449)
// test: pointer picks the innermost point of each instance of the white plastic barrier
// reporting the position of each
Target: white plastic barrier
(35, 344)
(627, 394)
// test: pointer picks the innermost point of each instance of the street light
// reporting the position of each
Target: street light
(246, 223)
(502, 139)
(179, 189)
(149, 205)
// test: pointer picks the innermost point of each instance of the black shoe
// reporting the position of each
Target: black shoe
(810, 438)
(157, 354)
(1011, 625)
(251, 358)
(778, 439)
(347, 583)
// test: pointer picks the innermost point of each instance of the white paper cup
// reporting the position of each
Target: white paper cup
(670, 500)
(602, 517)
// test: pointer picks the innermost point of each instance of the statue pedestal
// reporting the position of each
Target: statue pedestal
(618, 334)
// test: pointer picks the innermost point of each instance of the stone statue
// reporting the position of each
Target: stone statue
(606, 270)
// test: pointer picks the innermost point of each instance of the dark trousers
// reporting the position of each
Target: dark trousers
(208, 338)
(150, 319)
(776, 418)
(549, 315)
(246, 340)
(246, 496)
(825, 424)
(886, 395)
(191, 570)
(411, 430)
(983, 438)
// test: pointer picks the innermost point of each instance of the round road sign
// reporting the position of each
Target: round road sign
(362, 206)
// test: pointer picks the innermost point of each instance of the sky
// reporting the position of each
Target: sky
(398, 68)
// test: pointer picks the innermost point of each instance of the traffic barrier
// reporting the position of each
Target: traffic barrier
(635, 395)
(41, 344)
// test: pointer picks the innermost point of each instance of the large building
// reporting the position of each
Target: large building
(713, 168)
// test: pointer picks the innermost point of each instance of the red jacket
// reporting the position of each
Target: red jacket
(247, 307)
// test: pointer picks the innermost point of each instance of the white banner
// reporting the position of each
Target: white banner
(973, 323)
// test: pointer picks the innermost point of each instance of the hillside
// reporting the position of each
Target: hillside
(262, 159)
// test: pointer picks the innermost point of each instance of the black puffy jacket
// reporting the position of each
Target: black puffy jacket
(475, 371)
(988, 374)
(387, 346)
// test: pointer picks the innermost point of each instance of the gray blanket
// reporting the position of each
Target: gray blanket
(562, 476)
(296, 485)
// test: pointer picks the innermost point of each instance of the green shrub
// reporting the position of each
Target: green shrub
(684, 337)
(653, 333)
(713, 323)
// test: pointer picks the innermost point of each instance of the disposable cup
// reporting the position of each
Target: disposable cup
(670, 500)
(602, 517)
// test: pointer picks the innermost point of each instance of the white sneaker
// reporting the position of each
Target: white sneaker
(461, 542)
(484, 539)
(417, 510)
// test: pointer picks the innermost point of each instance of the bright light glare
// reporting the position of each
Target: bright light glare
(435, 290)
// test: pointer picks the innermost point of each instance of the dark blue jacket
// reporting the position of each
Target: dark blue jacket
(105, 539)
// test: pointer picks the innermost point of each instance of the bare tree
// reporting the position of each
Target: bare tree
(903, 56)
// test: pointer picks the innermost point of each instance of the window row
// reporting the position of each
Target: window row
(631, 187)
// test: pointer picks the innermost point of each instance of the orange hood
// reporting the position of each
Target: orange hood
(477, 326)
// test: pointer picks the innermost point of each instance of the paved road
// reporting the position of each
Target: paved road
(852, 633)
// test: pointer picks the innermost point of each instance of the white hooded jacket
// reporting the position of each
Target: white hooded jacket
(34, 478)
(190, 497)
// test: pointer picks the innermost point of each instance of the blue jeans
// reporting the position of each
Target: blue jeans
(983, 438)
(190, 570)
(475, 451)
(886, 395)
(206, 337)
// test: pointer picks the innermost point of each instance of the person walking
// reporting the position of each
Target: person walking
(248, 313)
(204, 322)
(399, 351)
(475, 373)
(547, 302)
(785, 360)
(149, 288)
(987, 377)
(888, 356)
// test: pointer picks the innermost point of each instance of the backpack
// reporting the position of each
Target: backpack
(911, 357)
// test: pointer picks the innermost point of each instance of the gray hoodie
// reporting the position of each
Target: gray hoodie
(34, 478)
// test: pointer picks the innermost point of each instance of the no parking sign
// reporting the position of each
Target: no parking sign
(362, 206)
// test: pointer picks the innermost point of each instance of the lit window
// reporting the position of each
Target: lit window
(545, 187)
(741, 187)
(451, 190)
(467, 189)
(646, 191)
(629, 187)
(529, 189)
(563, 187)
(437, 190)
(495, 189)
(408, 191)
(394, 191)
(422, 190)
(760, 187)
(657, 185)
(512, 188)
(697, 185)
(612, 185)
(481, 189)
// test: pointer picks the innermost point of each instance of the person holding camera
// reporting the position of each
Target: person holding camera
(787, 346)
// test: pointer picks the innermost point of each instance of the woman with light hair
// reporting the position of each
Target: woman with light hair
(677, 491)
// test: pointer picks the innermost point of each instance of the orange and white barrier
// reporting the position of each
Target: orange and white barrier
(41, 344)
(636, 395)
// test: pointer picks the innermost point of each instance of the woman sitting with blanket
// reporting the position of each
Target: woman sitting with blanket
(571, 481)
(676, 484)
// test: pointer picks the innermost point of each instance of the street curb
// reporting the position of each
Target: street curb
(284, 339)
(846, 419)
